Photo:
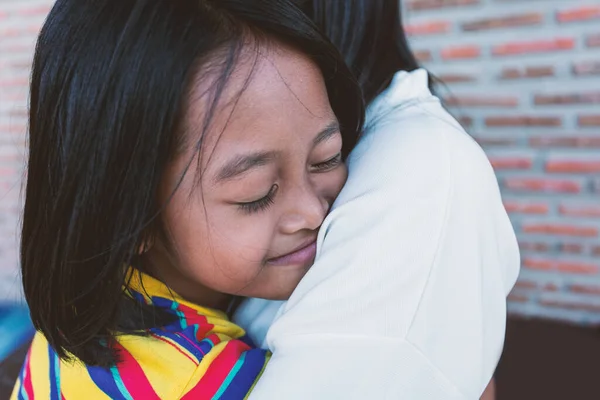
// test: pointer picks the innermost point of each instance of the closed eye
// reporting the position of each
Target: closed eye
(260, 204)
(328, 165)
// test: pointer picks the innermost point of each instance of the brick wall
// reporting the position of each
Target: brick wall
(20, 21)
(524, 77)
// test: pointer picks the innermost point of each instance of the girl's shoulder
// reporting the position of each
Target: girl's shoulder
(166, 364)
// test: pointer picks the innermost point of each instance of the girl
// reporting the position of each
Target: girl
(181, 153)
(406, 299)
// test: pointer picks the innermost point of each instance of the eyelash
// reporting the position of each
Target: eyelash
(267, 201)
(329, 164)
(260, 204)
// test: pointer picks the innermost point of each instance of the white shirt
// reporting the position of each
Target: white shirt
(407, 296)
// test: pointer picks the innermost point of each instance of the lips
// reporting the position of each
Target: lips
(303, 255)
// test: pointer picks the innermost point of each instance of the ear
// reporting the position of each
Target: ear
(146, 245)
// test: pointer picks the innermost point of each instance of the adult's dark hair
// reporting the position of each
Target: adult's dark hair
(108, 89)
(370, 36)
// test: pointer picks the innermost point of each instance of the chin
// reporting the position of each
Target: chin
(276, 283)
(277, 291)
(280, 295)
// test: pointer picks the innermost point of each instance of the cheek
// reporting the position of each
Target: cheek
(242, 239)
(218, 245)
(331, 183)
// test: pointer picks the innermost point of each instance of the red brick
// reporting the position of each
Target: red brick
(550, 287)
(481, 101)
(461, 52)
(573, 166)
(511, 162)
(571, 248)
(21, 64)
(457, 78)
(571, 305)
(523, 284)
(593, 40)
(571, 267)
(517, 298)
(528, 72)
(535, 46)
(524, 207)
(19, 48)
(579, 14)
(539, 264)
(14, 82)
(10, 32)
(7, 128)
(39, 10)
(434, 4)
(565, 141)
(560, 229)
(596, 250)
(573, 98)
(580, 209)
(511, 73)
(428, 28)
(423, 55)
(10, 158)
(585, 289)
(16, 97)
(588, 120)
(465, 121)
(8, 172)
(543, 185)
(577, 268)
(34, 29)
(586, 68)
(504, 22)
(495, 141)
(12, 128)
(537, 72)
(537, 247)
(20, 32)
(18, 112)
(521, 121)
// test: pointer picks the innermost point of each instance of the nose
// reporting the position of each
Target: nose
(307, 209)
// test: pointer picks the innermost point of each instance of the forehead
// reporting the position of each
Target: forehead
(275, 99)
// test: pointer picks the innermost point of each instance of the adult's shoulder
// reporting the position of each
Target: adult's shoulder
(418, 136)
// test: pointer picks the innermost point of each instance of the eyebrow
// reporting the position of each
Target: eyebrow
(328, 132)
(243, 163)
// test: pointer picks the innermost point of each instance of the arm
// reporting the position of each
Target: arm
(407, 296)
(167, 365)
(229, 371)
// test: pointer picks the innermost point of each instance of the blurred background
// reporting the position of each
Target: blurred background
(523, 76)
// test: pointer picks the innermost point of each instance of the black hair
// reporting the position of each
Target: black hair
(108, 89)
(370, 36)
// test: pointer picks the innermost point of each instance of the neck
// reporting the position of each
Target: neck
(164, 269)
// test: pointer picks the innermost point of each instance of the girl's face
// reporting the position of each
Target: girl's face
(245, 222)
